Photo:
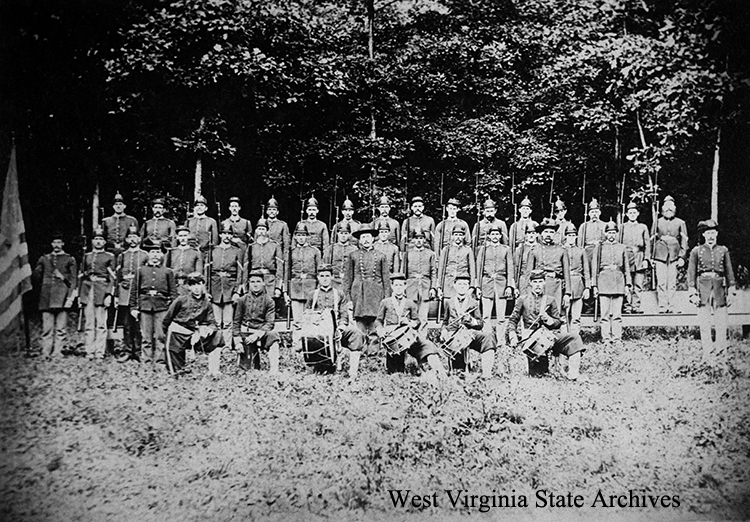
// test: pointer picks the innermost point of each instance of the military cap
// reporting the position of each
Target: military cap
(536, 274)
(347, 205)
(488, 203)
(667, 199)
(133, 230)
(157, 201)
(344, 226)
(383, 225)
(301, 229)
(526, 202)
(611, 226)
(200, 200)
(459, 229)
(417, 232)
(226, 228)
(464, 277)
(560, 204)
(417, 199)
(272, 203)
(495, 227)
(531, 226)
(234, 199)
(149, 244)
(312, 202)
(547, 223)
(594, 204)
(398, 275)
(57, 235)
(255, 273)
(454, 202)
(262, 223)
(325, 268)
(181, 228)
(364, 230)
(384, 200)
(633, 204)
(119, 198)
(194, 278)
(98, 232)
(570, 230)
(708, 224)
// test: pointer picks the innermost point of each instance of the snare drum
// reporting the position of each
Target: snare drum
(538, 343)
(459, 341)
(318, 337)
(400, 339)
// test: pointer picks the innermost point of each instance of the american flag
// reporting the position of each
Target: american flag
(15, 271)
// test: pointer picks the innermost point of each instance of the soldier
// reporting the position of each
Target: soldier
(278, 230)
(347, 209)
(519, 228)
(635, 237)
(534, 310)
(317, 230)
(128, 264)
(580, 279)
(496, 276)
(202, 227)
(366, 283)
(252, 327)
(153, 291)
(58, 272)
(265, 257)
(444, 229)
(389, 250)
(348, 336)
(482, 228)
(553, 259)
(384, 209)
(398, 310)
(117, 225)
(561, 211)
(462, 311)
(611, 273)
(456, 259)
(420, 268)
(417, 221)
(184, 259)
(522, 255)
(242, 229)
(337, 255)
(302, 270)
(95, 293)
(226, 282)
(709, 274)
(159, 229)
(669, 251)
(591, 232)
(190, 321)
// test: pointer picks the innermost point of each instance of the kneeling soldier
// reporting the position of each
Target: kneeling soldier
(190, 320)
(709, 274)
(398, 310)
(538, 310)
(254, 317)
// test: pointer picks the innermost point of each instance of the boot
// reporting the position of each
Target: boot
(354, 365)
(273, 359)
(574, 367)
(214, 362)
(488, 360)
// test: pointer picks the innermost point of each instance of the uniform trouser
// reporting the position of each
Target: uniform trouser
(152, 337)
(634, 299)
(298, 309)
(370, 338)
(574, 310)
(96, 328)
(423, 311)
(553, 288)
(352, 338)
(54, 331)
(224, 314)
(666, 284)
(499, 304)
(179, 341)
(720, 321)
(131, 333)
(611, 321)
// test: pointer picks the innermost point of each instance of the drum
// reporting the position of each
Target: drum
(317, 331)
(460, 340)
(538, 343)
(400, 339)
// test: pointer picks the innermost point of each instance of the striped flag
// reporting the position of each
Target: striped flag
(15, 271)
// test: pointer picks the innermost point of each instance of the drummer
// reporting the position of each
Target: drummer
(326, 297)
(538, 310)
(398, 310)
(462, 310)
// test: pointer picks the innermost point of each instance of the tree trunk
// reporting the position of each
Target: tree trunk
(715, 179)
(197, 191)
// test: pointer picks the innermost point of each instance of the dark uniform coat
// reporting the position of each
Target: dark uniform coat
(522, 264)
(590, 234)
(455, 261)
(303, 271)
(156, 289)
(267, 258)
(580, 272)
(242, 229)
(226, 273)
(635, 237)
(444, 230)
(183, 261)
(367, 281)
(424, 223)
(318, 235)
(97, 272)
(710, 272)
(59, 275)
(254, 312)
(393, 235)
(391, 253)
(191, 312)
(279, 231)
(481, 229)
(553, 259)
(336, 256)
(420, 268)
(205, 230)
(612, 272)
(671, 240)
(161, 231)
(354, 225)
(128, 264)
(116, 229)
(517, 233)
(495, 269)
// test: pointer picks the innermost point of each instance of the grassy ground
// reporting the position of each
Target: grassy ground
(98, 440)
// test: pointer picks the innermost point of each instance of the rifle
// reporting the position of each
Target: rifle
(475, 239)
(118, 270)
(439, 250)
(654, 229)
(515, 213)
(81, 275)
(551, 191)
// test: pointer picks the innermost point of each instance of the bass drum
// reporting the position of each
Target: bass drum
(318, 338)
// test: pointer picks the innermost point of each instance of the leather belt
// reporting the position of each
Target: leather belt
(128, 276)
(223, 273)
(152, 293)
(97, 279)
(710, 273)
(611, 267)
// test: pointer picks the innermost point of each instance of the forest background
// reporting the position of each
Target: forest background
(290, 98)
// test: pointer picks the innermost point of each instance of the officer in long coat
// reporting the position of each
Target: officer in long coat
(96, 288)
(128, 263)
(635, 237)
(496, 276)
(670, 248)
(488, 220)
(226, 282)
(117, 225)
(303, 270)
(366, 283)
(710, 274)
(420, 268)
(611, 274)
(58, 272)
